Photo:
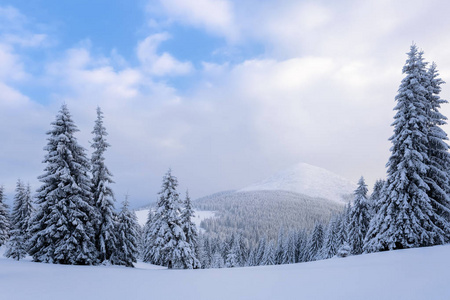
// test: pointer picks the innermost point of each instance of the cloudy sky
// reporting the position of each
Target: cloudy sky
(224, 92)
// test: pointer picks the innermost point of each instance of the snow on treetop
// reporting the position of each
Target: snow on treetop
(309, 180)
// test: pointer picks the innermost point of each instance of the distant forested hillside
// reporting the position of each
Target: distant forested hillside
(259, 214)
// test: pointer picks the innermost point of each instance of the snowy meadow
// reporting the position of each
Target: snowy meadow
(413, 274)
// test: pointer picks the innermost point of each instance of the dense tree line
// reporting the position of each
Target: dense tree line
(258, 214)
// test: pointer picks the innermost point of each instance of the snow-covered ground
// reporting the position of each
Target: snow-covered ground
(405, 274)
(199, 215)
(308, 180)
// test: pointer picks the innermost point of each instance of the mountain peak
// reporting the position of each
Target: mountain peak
(309, 180)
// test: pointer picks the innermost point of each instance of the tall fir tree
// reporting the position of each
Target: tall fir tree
(20, 222)
(217, 260)
(315, 243)
(168, 241)
(63, 226)
(232, 257)
(269, 256)
(259, 255)
(359, 218)
(377, 193)
(4, 218)
(406, 217)
(190, 231)
(103, 196)
(438, 174)
(279, 252)
(126, 248)
(331, 239)
(147, 242)
(301, 246)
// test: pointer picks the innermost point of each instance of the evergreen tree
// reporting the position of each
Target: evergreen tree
(127, 237)
(343, 223)
(206, 252)
(331, 240)
(288, 256)
(20, 222)
(250, 262)
(406, 217)
(438, 173)
(377, 193)
(279, 253)
(4, 218)
(103, 197)
(359, 218)
(62, 228)
(269, 257)
(147, 242)
(301, 246)
(169, 247)
(217, 261)
(260, 252)
(344, 250)
(232, 258)
(190, 231)
(315, 243)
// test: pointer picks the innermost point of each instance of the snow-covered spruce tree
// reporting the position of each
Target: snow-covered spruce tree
(377, 193)
(4, 218)
(62, 229)
(206, 254)
(102, 194)
(217, 261)
(251, 258)
(344, 250)
(331, 240)
(169, 247)
(288, 256)
(359, 218)
(406, 217)
(127, 235)
(147, 242)
(301, 246)
(269, 255)
(232, 258)
(20, 222)
(438, 173)
(259, 255)
(279, 252)
(190, 231)
(315, 243)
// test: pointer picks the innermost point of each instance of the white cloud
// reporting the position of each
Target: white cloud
(160, 65)
(214, 16)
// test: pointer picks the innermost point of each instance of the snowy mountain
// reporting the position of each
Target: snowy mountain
(307, 180)
(403, 274)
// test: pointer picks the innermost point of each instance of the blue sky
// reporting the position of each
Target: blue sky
(224, 92)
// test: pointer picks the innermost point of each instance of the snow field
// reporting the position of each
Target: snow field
(404, 274)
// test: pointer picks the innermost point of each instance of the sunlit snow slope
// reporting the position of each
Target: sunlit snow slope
(308, 180)
(403, 274)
